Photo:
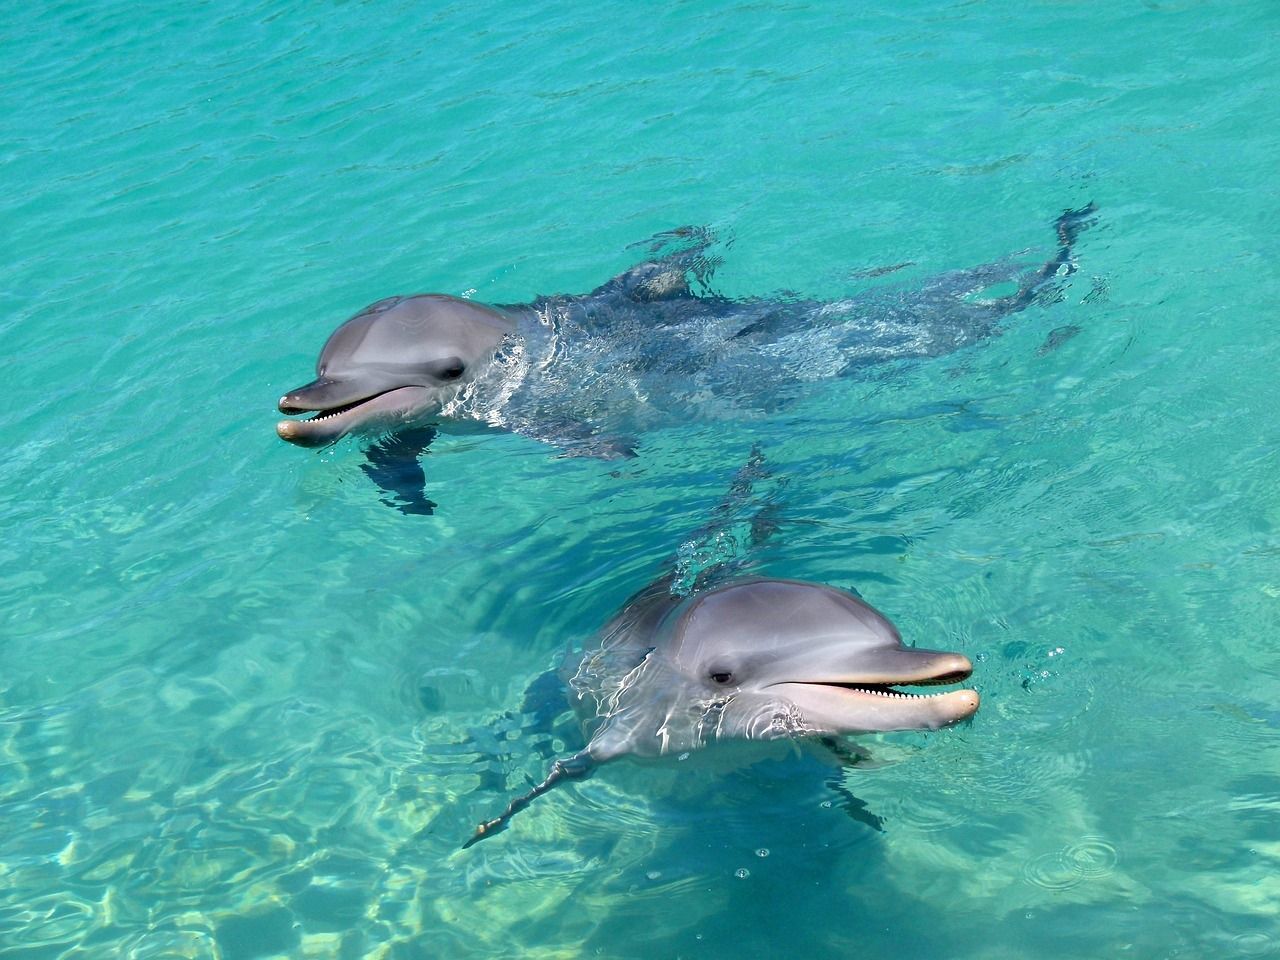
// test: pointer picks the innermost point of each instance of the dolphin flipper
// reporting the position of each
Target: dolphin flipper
(571, 768)
(545, 702)
(392, 464)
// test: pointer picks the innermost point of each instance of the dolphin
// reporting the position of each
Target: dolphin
(746, 658)
(588, 373)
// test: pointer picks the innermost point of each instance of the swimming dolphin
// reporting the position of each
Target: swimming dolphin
(749, 658)
(590, 372)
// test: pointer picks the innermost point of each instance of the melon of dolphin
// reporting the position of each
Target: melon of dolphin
(589, 373)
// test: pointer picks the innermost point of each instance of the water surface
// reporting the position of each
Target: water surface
(248, 711)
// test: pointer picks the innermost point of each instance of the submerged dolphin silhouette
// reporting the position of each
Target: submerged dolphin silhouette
(748, 658)
(588, 373)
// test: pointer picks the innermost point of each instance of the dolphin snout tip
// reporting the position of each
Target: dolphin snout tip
(287, 430)
(967, 703)
(952, 668)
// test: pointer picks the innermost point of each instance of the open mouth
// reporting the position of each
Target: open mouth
(890, 690)
(885, 690)
(344, 408)
(880, 705)
(327, 414)
(329, 424)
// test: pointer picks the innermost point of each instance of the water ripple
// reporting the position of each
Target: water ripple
(1090, 858)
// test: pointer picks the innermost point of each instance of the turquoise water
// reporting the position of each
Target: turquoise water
(248, 711)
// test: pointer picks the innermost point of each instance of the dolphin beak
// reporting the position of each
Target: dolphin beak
(320, 394)
(909, 665)
(324, 395)
(864, 699)
(292, 431)
(864, 709)
(888, 666)
(342, 408)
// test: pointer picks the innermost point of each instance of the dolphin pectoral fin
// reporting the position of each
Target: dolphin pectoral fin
(547, 715)
(573, 768)
(393, 465)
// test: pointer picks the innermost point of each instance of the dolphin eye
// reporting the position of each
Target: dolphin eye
(453, 373)
(722, 678)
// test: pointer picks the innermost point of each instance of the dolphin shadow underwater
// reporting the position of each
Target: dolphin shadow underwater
(692, 660)
(589, 373)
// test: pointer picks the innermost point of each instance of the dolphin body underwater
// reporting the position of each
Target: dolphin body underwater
(588, 373)
(738, 657)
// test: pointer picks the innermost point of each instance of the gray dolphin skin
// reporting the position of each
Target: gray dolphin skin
(747, 658)
(589, 373)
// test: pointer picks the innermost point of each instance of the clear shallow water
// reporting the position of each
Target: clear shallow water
(245, 710)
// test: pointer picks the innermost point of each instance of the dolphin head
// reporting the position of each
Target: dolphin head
(397, 361)
(771, 658)
(752, 659)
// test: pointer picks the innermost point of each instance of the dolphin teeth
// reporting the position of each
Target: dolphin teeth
(343, 408)
(898, 694)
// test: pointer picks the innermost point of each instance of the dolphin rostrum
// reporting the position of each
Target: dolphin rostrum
(590, 372)
(748, 658)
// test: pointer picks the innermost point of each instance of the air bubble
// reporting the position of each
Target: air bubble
(742, 873)
(762, 852)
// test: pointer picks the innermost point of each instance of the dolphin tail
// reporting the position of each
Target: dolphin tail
(1068, 227)
(576, 767)
(393, 465)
